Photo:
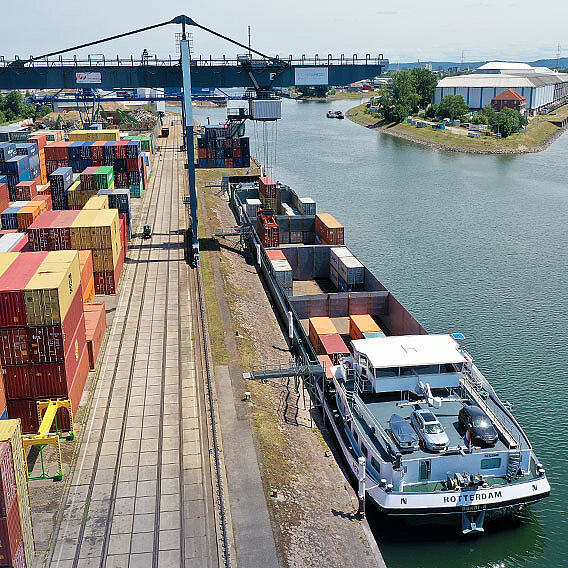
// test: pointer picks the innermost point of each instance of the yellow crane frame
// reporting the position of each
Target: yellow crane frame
(47, 413)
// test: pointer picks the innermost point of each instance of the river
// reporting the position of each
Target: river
(469, 243)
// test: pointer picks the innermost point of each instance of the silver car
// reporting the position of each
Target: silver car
(430, 431)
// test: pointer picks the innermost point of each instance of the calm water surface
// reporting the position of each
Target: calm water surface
(476, 244)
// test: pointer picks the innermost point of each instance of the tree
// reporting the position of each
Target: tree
(425, 83)
(479, 119)
(508, 121)
(489, 112)
(432, 111)
(453, 106)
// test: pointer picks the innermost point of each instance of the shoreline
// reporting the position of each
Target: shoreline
(389, 129)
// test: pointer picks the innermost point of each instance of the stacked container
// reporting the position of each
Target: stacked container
(282, 270)
(267, 229)
(94, 135)
(216, 150)
(16, 530)
(346, 272)
(268, 193)
(326, 340)
(252, 207)
(4, 194)
(60, 181)
(328, 230)
(87, 275)
(364, 327)
(40, 140)
(44, 353)
(119, 199)
(32, 152)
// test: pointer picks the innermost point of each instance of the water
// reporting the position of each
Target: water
(468, 243)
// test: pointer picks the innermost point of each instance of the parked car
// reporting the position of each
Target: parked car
(403, 433)
(429, 429)
(483, 433)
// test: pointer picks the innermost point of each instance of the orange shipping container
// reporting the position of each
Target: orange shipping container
(330, 231)
(326, 363)
(360, 324)
(86, 265)
(275, 254)
(320, 326)
(27, 215)
(95, 324)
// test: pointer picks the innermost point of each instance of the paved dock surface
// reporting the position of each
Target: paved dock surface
(141, 493)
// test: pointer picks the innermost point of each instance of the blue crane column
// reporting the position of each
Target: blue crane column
(188, 128)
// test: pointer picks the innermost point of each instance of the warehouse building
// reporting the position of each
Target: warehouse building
(541, 87)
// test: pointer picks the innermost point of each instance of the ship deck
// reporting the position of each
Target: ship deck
(447, 414)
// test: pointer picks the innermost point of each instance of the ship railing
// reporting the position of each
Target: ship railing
(360, 407)
(471, 379)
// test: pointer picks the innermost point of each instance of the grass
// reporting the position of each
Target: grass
(361, 95)
(538, 130)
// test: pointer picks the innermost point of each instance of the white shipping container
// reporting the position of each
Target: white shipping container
(306, 206)
(336, 253)
(351, 270)
(270, 109)
(9, 241)
(333, 276)
(252, 206)
(282, 271)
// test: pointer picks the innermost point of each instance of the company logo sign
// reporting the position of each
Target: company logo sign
(83, 78)
(310, 76)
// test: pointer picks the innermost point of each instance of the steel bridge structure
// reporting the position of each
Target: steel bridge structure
(53, 71)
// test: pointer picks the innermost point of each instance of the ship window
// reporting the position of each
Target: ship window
(364, 450)
(427, 369)
(424, 470)
(387, 373)
(375, 465)
(491, 463)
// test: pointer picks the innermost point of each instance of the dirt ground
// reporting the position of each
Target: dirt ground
(312, 506)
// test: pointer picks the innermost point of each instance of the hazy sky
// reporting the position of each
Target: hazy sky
(406, 30)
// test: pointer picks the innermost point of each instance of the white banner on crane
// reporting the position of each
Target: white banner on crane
(310, 76)
(87, 78)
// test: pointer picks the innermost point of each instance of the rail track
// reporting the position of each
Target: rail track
(157, 266)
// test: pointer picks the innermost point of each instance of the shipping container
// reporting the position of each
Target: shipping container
(267, 186)
(275, 254)
(352, 271)
(252, 207)
(330, 231)
(12, 283)
(327, 364)
(11, 431)
(95, 325)
(335, 253)
(8, 489)
(14, 346)
(320, 326)
(373, 334)
(360, 324)
(333, 346)
(7, 151)
(10, 534)
(11, 241)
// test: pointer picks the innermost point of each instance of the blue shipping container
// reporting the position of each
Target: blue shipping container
(86, 151)
(7, 151)
(34, 161)
(26, 149)
(202, 162)
(220, 162)
(76, 166)
(59, 201)
(237, 163)
(61, 179)
(17, 164)
(133, 149)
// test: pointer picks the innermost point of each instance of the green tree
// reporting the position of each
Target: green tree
(489, 112)
(508, 121)
(479, 119)
(2, 117)
(432, 111)
(453, 106)
(425, 83)
(45, 109)
(14, 102)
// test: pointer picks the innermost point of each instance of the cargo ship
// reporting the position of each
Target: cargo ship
(416, 421)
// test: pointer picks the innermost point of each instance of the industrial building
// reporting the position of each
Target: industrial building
(540, 86)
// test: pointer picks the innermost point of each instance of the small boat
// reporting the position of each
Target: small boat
(334, 114)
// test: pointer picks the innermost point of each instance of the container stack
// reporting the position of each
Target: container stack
(346, 272)
(42, 329)
(267, 229)
(60, 180)
(21, 214)
(40, 140)
(94, 135)
(94, 230)
(328, 230)
(4, 195)
(87, 275)
(296, 229)
(282, 270)
(16, 530)
(252, 207)
(15, 167)
(119, 199)
(305, 205)
(325, 339)
(364, 327)
(13, 242)
(215, 149)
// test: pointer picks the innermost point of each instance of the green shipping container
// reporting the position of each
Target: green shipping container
(104, 177)
(136, 190)
(145, 142)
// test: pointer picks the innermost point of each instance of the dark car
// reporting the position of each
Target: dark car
(483, 433)
(403, 433)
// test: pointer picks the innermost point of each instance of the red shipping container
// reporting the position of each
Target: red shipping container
(22, 246)
(10, 534)
(229, 162)
(333, 346)
(106, 282)
(97, 151)
(7, 478)
(124, 232)
(134, 164)
(19, 273)
(201, 153)
(326, 363)
(276, 254)
(270, 235)
(45, 197)
(95, 325)
(26, 409)
(39, 139)
(26, 190)
(59, 233)
(14, 346)
(328, 230)
(2, 398)
(120, 149)
(19, 560)
(4, 196)
(121, 179)
(237, 152)
(50, 166)
(267, 186)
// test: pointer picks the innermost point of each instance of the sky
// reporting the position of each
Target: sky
(403, 31)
